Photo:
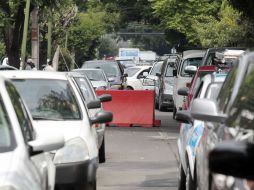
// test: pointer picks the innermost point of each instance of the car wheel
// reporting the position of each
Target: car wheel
(181, 179)
(190, 182)
(129, 88)
(161, 108)
(102, 154)
(174, 112)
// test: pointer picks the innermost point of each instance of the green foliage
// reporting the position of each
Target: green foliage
(2, 49)
(108, 46)
(224, 31)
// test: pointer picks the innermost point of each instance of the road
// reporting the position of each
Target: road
(141, 158)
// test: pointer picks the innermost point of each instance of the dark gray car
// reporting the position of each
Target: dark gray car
(113, 70)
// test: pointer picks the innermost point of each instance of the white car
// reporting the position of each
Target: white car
(94, 106)
(97, 77)
(25, 165)
(187, 66)
(57, 108)
(135, 77)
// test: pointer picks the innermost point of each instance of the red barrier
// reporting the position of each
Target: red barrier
(131, 107)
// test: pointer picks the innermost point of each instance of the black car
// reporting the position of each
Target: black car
(230, 117)
(113, 70)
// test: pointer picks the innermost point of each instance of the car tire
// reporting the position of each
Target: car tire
(129, 88)
(181, 179)
(102, 154)
(190, 182)
(174, 112)
(161, 108)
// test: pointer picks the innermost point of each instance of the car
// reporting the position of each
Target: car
(154, 79)
(210, 54)
(183, 75)
(166, 84)
(97, 77)
(25, 161)
(229, 117)
(205, 86)
(93, 103)
(57, 107)
(113, 70)
(135, 77)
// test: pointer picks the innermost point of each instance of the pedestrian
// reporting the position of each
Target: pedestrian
(30, 65)
(49, 66)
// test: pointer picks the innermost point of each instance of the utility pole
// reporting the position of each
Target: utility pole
(50, 35)
(23, 47)
(35, 37)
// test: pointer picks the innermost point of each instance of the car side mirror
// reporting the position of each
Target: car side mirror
(158, 74)
(233, 158)
(145, 74)
(184, 117)
(46, 143)
(125, 75)
(174, 72)
(190, 69)
(111, 79)
(183, 91)
(206, 110)
(94, 104)
(105, 98)
(102, 117)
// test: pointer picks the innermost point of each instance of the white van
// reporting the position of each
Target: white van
(183, 76)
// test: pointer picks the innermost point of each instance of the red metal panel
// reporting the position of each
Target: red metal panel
(131, 107)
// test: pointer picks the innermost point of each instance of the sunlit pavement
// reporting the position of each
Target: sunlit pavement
(141, 158)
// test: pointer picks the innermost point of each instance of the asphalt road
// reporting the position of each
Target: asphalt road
(141, 158)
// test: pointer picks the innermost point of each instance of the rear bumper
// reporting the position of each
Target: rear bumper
(167, 100)
(76, 173)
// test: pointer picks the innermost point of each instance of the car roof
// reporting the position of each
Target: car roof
(100, 62)
(28, 74)
(193, 55)
(141, 67)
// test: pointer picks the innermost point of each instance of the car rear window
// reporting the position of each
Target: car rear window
(195, 61)
(111, 69)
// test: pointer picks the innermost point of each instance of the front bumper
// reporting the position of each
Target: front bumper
(77, 172)
(167, 100)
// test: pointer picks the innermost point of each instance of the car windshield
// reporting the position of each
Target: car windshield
(7, 141)
(49, 99)
(131, 71)
(156, 68)
(242, 111)
(111, 69)
(93, 75)
(85, 88)
(196, 61)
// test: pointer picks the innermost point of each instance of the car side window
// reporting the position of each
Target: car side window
(21, 112)
(226, 90)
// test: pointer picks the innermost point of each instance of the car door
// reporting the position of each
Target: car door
(38, 164)
(140, 78)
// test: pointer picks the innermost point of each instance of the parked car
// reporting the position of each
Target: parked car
(154, 79)
(185, 70)
(57, 107)
(135, 76)
(230, 117)
(97, 77)
(25, 163)
(166, 85)
(93, 103)
(205, 86)
(113, 70)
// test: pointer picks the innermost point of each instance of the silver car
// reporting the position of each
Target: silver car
(24, 163)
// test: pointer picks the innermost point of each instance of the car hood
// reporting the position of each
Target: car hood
(97, 84)
(69, 129)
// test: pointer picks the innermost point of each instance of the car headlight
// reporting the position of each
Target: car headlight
(101, 88)
(75, 150)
